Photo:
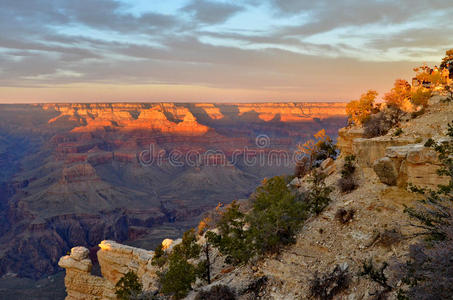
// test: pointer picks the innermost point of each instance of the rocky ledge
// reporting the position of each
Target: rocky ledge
(115, 261)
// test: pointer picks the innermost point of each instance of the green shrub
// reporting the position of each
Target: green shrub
(275, 218)
(128, 287)
(318, 196)
(188, 248)
(232, 240)
(160, 257)
(398, 132)
(276, 215)
(347, 182)
(176, 280)
(273, 221)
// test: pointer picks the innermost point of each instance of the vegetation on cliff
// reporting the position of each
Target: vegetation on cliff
(313, 152)
(275, 218)
(402, 99)
(178, 272)
(347, 182)
(128, 287)
(429, 271)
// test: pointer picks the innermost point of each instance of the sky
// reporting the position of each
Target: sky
(214, 50)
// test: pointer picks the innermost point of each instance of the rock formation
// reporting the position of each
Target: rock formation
(385, 166)
(116, 260)
(414, 163)
(74, 174)
(80, 284)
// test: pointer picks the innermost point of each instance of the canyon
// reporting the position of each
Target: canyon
(76, 174)
(379, 228)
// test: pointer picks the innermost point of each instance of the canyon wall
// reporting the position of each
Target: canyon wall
(76, 174)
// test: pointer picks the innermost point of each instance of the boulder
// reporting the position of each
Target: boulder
(326, 163)
(328, 166)
(296, 182)
(166, 243)
(386, 170)
(79, 253)
(417, 165)
(67, 262)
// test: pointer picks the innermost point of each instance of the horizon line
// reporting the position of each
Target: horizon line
(179, 102)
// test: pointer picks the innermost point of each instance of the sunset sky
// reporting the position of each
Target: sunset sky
(200, 50)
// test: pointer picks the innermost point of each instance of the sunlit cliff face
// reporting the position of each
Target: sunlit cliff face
(178, 119)
(104, 245)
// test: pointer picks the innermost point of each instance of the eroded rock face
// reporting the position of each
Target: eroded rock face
(396, 160)
(367, 151)
(346, 137)
(415, 164)
(117, 259)
(79, 172)
(79, 282)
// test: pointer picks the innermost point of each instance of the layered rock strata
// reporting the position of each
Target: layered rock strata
(115, 261)
(79, 282)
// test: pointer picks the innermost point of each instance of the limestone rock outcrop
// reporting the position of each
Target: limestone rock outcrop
(414, 163)
(367, 151)
(346, 137)
(400, 159)
(80, 284)
(396, 160)
(115, 261)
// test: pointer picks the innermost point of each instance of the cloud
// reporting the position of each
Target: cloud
(210, 12)
(304, 44)
(414, 38)
(326, 15)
